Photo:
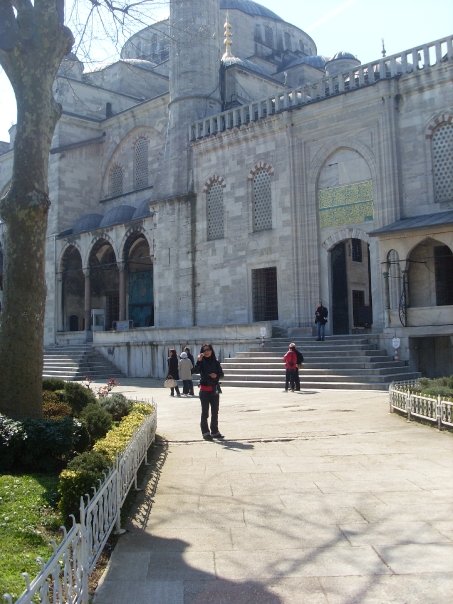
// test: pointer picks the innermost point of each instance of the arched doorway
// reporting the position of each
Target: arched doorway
(351, 303)
(104, 281)
(140, 285)
(72, 293)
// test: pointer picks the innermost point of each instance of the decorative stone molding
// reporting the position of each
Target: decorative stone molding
(214, 180)
(261, 165)
(438, 120)
(345, 233)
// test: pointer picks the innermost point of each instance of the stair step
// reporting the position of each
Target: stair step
(77, 363)
(338, 362)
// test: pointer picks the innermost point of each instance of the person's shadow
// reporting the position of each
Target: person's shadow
(145, 568)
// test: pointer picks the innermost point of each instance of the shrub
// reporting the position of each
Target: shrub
(97, 420)
(53, 408)
(81, 474)
(38, 444)
(117, 405)
(53, 384)
(12, 436)
(78, 396)
(116, 441)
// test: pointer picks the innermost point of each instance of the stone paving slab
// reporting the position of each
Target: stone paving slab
(318, 497)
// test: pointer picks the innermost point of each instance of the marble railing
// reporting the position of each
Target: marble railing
(420, 57)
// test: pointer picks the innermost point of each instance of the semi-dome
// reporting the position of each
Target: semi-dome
(142, 211)
(249, 8)
(117, 215)
(87, 222)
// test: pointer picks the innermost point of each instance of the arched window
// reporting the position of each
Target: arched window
(394, 276)
(116, 178)
(141, 151)
(262, 200)
(442, 154)
(215, 210)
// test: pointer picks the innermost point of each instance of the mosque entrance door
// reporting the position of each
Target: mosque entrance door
(351, 287)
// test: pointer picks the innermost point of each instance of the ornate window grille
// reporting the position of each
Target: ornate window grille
(116, 180)
(442, 152)
(262, 200)
(215, 211)
(141, 152)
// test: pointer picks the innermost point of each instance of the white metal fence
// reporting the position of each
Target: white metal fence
(433, 409)
(64, 578)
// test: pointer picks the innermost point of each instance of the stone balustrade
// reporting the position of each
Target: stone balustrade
(420, 57)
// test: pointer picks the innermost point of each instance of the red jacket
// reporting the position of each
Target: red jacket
(290, 359)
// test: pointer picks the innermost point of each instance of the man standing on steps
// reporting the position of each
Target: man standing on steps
(290, 360)
(321, 314)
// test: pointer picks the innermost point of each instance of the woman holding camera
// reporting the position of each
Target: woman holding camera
(210, 372)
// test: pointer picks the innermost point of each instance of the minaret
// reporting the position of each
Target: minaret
(194, 86)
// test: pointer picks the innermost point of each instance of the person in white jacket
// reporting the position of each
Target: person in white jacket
(185, 374)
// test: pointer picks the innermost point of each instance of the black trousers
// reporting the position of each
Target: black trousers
(292, 379)
(209, 400)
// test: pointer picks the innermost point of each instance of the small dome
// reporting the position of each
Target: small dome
(142, 211)
(117, 215)
(343, 55)
(87, 222)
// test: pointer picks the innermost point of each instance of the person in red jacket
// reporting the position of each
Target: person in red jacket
(290, 360)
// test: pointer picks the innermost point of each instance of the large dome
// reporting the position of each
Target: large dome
(249, 7)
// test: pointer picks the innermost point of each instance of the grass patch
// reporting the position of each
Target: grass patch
(28, 521)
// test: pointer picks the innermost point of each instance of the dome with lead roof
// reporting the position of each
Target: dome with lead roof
(249, 8)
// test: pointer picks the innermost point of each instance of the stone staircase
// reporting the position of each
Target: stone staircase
(78, 362)
(348, 362)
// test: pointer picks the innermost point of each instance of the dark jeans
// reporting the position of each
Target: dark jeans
(292, 379)
(321, 330)
(187, 387)
(172, 391)
(209, 399)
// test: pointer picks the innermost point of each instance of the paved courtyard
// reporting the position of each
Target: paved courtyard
(317, 497)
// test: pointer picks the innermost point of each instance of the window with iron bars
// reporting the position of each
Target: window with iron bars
(264, 294)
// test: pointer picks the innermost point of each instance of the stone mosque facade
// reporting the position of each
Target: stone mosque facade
(222, 177)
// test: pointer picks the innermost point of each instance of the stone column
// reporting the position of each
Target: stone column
(86, 273)
(385, 276)
(122, 290)
(59, 303)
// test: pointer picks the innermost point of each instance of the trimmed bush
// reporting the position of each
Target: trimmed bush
(78, 396)
(81, 474)
(116, 441)
(117, 405)
(38, 445)
(53, 384)
(97, 420)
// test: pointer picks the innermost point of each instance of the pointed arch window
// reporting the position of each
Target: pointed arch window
(262, 199)
(116, 180)
(141, 153)
(442, 154)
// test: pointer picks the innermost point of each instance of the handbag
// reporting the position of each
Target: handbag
(170, 382)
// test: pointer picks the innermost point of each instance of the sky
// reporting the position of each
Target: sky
(355, 26)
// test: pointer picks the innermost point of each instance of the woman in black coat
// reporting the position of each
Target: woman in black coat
(210, 372)
(173, 370)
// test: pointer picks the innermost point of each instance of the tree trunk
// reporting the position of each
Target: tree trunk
(41, 42)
